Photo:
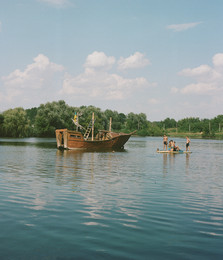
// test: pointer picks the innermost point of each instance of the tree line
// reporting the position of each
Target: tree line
(42, 121)
(207, 127)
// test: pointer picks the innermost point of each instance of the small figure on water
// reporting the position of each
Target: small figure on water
(170, 145)
(187, 144)
(165, 141)
(174, 147)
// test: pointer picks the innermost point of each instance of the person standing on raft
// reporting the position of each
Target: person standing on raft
(187, 144)
(165, 142)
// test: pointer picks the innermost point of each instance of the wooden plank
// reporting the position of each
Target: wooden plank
(159, 151)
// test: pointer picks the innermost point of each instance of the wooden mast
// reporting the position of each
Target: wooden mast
(77, 123)
(92, 137)
(110, 123)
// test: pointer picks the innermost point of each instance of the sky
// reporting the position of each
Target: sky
(163, 58)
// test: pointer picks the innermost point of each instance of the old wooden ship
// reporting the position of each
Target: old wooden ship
(104, 140)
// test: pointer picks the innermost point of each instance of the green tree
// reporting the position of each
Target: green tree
(118, 119)
(142, 121)
(217, 123)
(31, 114)
(168, 123)
(52, 116)
(86, 117)
(1, 124)
(154, 129)
(137, 122)
(208, 133)
(16, 123)
(191, 124)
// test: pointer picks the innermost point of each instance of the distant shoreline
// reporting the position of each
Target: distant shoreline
(217, 136)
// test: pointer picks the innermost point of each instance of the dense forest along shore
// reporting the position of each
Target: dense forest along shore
(42, 121)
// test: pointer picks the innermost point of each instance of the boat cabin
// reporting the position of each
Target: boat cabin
(66, 137)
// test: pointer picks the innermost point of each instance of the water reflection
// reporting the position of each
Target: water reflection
(187, 165)
(76, 165)
(68, 168)
(165, 163)
(172, 161)
(35, 142)
(109, 201)
(169, 162)
(103, 180)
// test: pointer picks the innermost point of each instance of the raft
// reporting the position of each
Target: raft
(172, 152)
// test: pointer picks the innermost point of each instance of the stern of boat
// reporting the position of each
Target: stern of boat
(61, 137)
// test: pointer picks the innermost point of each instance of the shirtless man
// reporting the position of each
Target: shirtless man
(187, 144)
(165, 142)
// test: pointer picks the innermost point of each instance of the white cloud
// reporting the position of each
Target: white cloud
(56, 3)
(208, 80)
(101, 85)
(34, 75)
(199, 88)
(154, 101)
(201, 73)
(97, 82)
(174, 90)
(34, 85)
(218, 59)
(41, 81)
(2, 98)
(99, 60)
(137, 60)
(182, 27)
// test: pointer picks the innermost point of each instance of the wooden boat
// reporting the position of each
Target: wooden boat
(104, 140)
(68, 139)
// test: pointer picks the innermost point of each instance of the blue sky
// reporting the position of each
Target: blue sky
(163, 58)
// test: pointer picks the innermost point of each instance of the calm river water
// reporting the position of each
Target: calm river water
(135, 204)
